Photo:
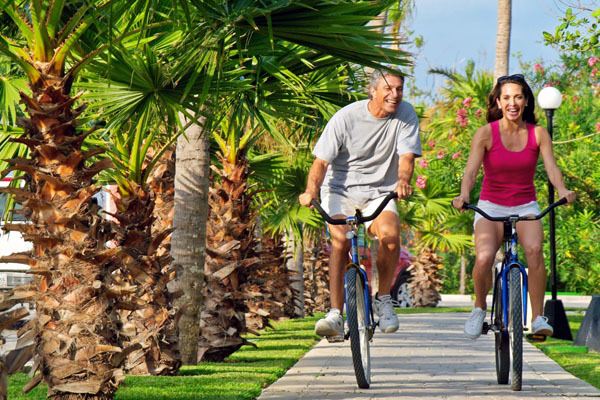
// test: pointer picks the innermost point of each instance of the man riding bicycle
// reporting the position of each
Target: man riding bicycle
(366, 150)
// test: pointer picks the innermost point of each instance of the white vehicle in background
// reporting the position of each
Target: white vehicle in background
(11, 274)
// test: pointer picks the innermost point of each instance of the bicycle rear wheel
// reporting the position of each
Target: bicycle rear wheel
(516, 328)
(358, 326)
(501, 335)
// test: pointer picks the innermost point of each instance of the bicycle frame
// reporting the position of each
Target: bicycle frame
(355, 257)
(511, 260)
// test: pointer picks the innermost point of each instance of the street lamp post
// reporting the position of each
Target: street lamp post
(549, 99)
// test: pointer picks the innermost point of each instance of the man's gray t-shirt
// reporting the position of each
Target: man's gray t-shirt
(363, 151)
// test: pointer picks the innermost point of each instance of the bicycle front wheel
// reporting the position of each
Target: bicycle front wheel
(501, 336)
(516, 328)
(358, 326)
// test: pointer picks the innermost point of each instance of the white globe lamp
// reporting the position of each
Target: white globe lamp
(549, 98)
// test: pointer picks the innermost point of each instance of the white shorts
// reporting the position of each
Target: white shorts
(337, 204)
(496, 210)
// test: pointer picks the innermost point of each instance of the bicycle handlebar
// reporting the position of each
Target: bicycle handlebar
(359, 220)
(518, 217)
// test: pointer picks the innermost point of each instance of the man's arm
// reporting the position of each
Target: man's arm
(316, 175)
(406, 167)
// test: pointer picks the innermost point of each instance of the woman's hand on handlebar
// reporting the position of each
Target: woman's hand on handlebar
(305, 198)
(567, 194)
(459, 201)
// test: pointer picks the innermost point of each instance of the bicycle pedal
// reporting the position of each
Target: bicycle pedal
(335, 338)
(536, 338)
(485, 328)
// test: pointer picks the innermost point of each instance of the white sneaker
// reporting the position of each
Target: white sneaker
(383, 307)
(540, 326)
(474, 323)
(331, 325)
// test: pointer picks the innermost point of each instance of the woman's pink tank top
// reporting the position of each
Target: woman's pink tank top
(508, 175)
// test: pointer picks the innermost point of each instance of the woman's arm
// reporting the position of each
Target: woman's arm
(554, 174)
(481, 141)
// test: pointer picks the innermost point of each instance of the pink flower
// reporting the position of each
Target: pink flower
(539, 69)
(597, 126)
(441, 154)
(423, 163)
(456, 155)
(421, 182)
(594, 71)
(431, 143)
(462, 117)
(563, 66)
(593, 60)
(478, 113)
(467, 102)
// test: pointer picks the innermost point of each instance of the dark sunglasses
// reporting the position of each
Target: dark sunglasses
(515, 77)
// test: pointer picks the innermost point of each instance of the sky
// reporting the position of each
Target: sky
(456, 31)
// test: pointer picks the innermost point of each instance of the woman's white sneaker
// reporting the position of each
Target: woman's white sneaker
(474, 323)
(540, 326)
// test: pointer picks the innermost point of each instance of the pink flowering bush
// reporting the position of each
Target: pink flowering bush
(538, 69)
(467, 102)
(431, 143)
(421, 182)
(592, 61)
(423, 163)
(456, 155)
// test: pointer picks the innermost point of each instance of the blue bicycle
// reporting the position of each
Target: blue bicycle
(509, 301)
(359, 311)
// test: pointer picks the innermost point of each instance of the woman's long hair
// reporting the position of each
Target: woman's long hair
(494, 113)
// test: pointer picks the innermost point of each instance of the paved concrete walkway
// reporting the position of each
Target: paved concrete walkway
(428, 358)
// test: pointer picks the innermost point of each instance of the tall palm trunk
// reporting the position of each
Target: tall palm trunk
(188, 243)
(503, 39)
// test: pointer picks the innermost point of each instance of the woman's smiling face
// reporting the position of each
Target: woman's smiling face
(512, 101)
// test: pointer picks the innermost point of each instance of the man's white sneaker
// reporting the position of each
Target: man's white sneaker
(540, 326)
(474, 323)
(331, 325)
(383, 307)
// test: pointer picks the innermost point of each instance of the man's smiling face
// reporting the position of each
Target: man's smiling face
(387, 96)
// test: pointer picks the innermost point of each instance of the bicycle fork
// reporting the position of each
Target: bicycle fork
(353, 236)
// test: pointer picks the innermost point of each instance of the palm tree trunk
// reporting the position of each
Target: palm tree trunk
(294, 264)
(188, 241)
(503, 39)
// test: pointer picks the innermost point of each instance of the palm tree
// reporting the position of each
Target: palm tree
(502, 39)
(76, 296)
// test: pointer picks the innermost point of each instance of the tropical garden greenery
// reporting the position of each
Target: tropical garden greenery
(202, 115)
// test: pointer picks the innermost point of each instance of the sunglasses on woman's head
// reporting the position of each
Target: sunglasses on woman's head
(515, 77)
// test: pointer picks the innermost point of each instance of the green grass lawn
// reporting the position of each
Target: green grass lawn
(244, 375)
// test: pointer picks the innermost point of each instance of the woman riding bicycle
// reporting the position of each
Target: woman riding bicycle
(509, 147)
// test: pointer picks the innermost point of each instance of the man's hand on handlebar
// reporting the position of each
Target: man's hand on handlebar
(305, 198)
(404, 190)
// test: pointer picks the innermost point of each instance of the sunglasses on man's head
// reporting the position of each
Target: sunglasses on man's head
(515, 77)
